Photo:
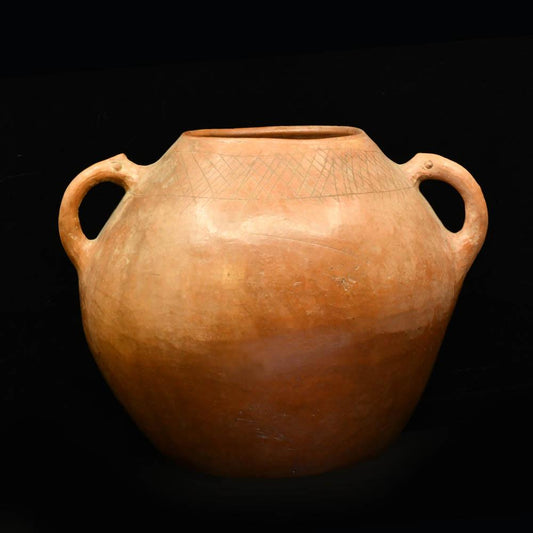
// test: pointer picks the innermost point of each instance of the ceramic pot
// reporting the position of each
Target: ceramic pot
(271, 301)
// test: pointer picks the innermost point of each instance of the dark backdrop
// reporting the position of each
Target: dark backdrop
(70, 458)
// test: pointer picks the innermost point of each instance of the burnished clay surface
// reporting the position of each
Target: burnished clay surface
(271, 301)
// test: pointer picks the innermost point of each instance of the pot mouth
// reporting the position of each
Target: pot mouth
(300, 133)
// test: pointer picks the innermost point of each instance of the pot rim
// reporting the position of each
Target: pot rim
(278, 133)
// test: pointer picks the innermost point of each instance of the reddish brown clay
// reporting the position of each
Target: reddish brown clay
(270, 301)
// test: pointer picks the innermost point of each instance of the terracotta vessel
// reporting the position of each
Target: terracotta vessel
(271, 301)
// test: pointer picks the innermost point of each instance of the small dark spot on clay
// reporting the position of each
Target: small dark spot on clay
(428, 164)
(117, 165)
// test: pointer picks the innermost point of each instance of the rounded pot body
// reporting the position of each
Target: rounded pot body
(271, 301)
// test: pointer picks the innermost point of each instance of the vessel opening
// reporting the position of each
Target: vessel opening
(287, 132)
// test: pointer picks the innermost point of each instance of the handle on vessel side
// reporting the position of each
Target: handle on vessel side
(119, 170)
(468, 241)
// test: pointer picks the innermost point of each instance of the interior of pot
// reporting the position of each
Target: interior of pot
(279, 132)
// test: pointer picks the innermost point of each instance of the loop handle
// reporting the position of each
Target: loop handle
(468, 241)
(119, 170)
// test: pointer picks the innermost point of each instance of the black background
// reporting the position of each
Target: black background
(75, 92)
